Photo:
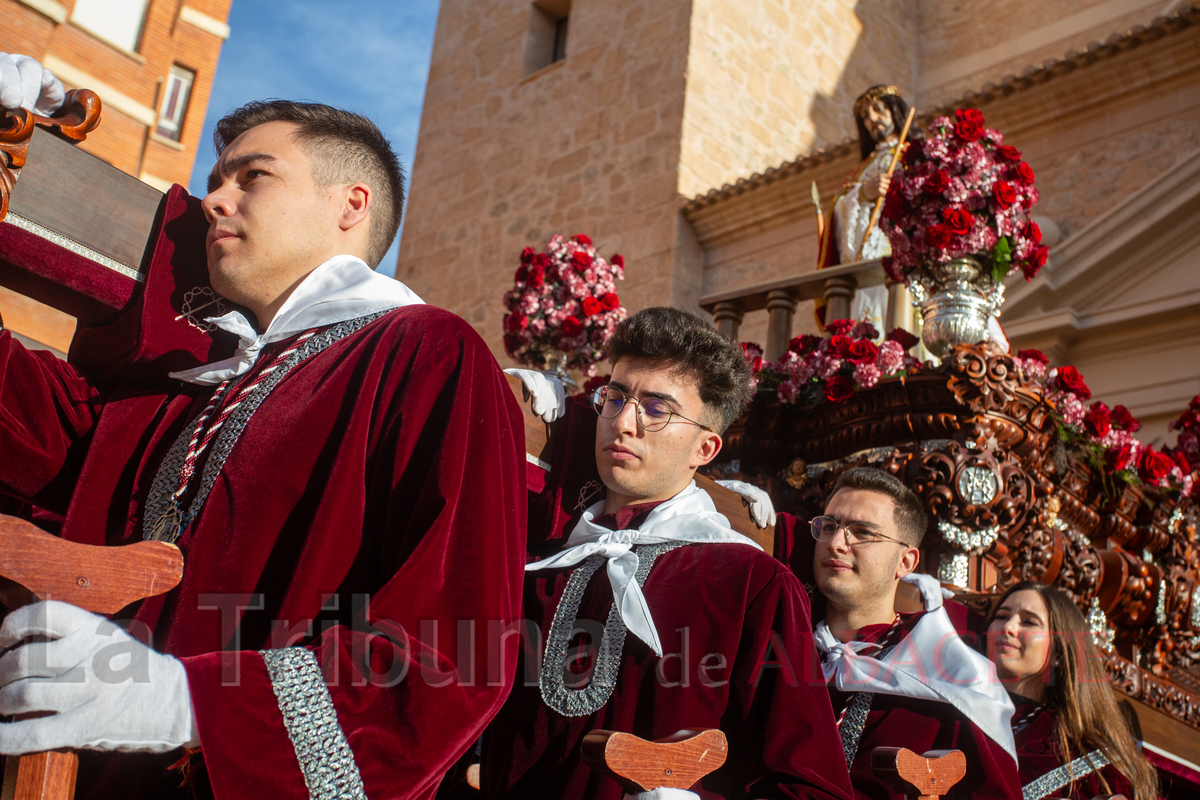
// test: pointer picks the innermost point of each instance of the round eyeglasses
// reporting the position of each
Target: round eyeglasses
(857, 533)
(653, 413)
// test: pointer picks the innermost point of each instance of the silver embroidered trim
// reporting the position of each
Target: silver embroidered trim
(1055, 779)
(67, 243)
(953, 568)
(532, 459)
(974, 542)
(164, 520)
(1103, 635)
(853, 723)
(325, 757)
(1196, 609)
(1160, 608)
(590, 699)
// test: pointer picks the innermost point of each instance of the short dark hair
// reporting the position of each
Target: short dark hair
(696, 350)
(909, 515)
(344, 148)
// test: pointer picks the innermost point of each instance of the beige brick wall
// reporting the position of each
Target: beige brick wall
(769, 79)
(590, 145)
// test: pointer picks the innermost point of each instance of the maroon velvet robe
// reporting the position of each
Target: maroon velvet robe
(919, 725)
(738, 656)
(388, 466)
(1039, 752)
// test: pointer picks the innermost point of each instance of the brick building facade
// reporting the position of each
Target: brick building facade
(152, 62)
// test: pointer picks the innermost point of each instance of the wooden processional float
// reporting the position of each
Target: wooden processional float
(84, 238)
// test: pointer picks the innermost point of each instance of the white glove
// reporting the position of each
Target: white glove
(546, 393)
(25, 83)
(109, 691)
(664, 794)
(932, 593)
(762, 510)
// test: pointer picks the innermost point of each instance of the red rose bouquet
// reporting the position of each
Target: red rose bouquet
(815, 369)
(962, 192)
(563, 300)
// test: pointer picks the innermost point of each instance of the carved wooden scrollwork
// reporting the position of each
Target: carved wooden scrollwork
(78, 116)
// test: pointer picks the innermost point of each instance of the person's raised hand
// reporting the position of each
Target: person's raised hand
(25, 83)
(547, 396)
(762, 510)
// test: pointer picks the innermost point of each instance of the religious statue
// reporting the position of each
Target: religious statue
(879, 113)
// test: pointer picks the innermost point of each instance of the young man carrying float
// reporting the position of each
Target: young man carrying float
(342, 489)
(896, 680)
(707, 631)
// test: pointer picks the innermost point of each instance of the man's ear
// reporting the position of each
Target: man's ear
(356, 204)
(707, 447)
(908, 562)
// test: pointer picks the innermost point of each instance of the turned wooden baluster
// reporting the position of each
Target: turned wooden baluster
(37, 566)
(675, 762)
(932, 774)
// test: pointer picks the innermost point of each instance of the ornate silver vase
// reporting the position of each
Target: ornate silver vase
(956, 298)
(556, 366)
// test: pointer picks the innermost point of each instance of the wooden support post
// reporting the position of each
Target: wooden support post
(675, 762)
(728, 318)
(899, 308)
(781, 307)
(35, 565)
(932, 774)
(838, 294)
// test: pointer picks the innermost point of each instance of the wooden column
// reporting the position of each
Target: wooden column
(781, 307)
(899, 308)
(728, 317)
(838, 294)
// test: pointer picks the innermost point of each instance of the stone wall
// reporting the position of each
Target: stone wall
(588, 145)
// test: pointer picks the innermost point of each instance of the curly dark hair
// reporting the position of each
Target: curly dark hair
(909, 514)
(344, 148)
(899, 108)
(695, 349)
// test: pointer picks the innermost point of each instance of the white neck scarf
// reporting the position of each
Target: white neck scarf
(342, 288)
(689, 516)
(931, 663)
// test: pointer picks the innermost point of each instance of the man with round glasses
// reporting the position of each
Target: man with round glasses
(895, 679)
(654, 615)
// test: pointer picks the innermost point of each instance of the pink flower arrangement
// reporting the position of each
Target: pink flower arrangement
(815, 369)
(563, 299)
(962, 192)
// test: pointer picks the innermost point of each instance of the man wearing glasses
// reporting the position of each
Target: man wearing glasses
(655, 616)
(898, 680)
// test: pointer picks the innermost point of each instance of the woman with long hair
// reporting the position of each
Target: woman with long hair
(1072, 739)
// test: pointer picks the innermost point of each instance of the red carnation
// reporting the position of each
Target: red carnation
(582, 260)
(839, 327)
(862, 351)
(511, 344)
(906, 339)
(522, 274)
(1035, 262)
(891, 269)
(1033, 232)
(582, 238)
(958, 220)
(618, 260)
(894, 204)
(610, 301)
(1121, 418)
(1008, 152)
(595, 382)
(536, 277)
(527, 255)
(839, 345)
(1068, 379)
(540, 261)
(804, 344)
(591, 306)
(1006, 194)
(969, 125)
(515, 322)
(572, 327)
(912, 154)
(939, 236)
(1098, 420)
(1119, 458)
(936, 183)
(1153, 466)
(1024, 172)
(1035, 355)
(839, 388)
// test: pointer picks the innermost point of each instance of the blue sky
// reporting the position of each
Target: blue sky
(370, 56)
